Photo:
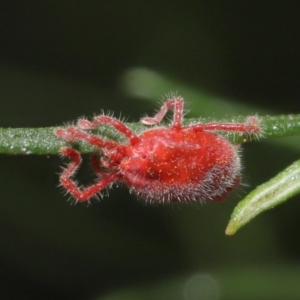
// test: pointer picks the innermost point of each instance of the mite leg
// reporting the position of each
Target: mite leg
(81, 194)
(251, 126)
(176, 104)
(106, 120)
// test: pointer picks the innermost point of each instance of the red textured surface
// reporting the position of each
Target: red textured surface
(181, 165)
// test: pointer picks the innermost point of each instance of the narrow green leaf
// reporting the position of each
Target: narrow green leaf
(266, 196)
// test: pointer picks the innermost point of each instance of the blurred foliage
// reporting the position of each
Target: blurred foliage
(61, 61)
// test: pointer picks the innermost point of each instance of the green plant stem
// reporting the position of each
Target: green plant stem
(44, 142)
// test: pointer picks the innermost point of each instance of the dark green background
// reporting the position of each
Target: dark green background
(63, 59)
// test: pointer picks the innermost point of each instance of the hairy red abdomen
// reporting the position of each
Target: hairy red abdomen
(168, 164)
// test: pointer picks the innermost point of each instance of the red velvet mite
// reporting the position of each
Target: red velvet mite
(173, 163)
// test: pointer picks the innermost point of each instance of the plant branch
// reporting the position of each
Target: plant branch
(44, 142)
